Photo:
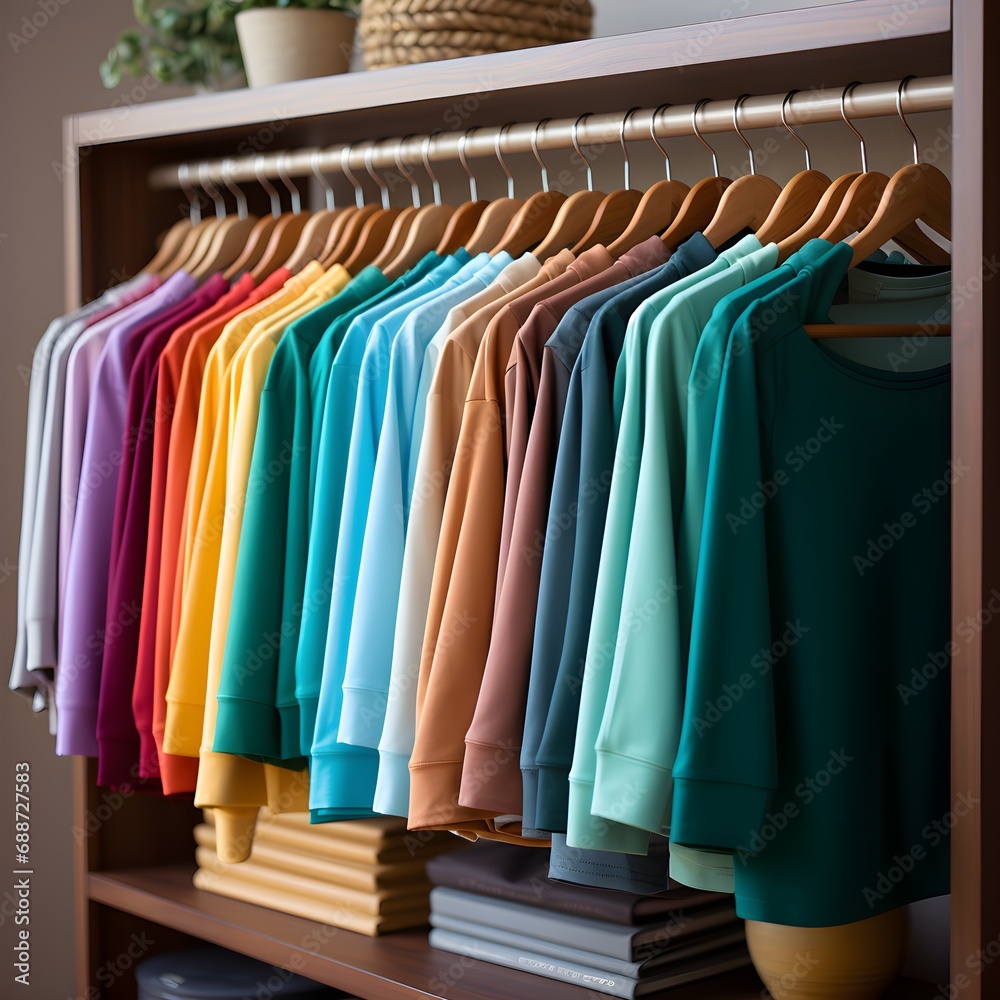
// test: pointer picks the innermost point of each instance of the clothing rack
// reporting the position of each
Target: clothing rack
(671, 121)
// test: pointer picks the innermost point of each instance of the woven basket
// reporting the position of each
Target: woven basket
(397, 32)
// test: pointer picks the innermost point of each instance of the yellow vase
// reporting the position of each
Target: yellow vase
(858, 961)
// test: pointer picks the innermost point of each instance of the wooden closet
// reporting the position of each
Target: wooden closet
(133, 872)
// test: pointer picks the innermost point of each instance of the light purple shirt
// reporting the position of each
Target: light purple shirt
(83, 636)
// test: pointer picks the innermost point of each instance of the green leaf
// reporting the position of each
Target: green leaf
(143, 11)
(111, 74)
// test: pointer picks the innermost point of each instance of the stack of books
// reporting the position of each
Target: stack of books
(493, 902)
(366, 876)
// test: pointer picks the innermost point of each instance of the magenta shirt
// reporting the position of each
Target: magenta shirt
(117, 736)
(83, 622)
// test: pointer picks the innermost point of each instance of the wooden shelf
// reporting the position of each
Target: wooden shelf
(399, 965)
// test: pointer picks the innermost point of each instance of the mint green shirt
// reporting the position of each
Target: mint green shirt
(583, 830)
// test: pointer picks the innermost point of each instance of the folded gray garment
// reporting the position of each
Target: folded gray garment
(639, 873)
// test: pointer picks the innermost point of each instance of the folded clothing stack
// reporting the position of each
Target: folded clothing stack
(366, 876)
(494, 902)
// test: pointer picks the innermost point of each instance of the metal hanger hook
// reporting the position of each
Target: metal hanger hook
(258, 169)
(331, 200)
(795, 135)
(425, 150)
(848, 90)
(902, 117)
(345, 166)
(538, 158)
(283, 159)
(194, 205)
(407, 173)
(699, 136)
(463, 139)
(503, 164)
(579, 152)
(737, 104)
(241, 198)
(653, 136)
(383, 187)
(621, 139)
(205, 183)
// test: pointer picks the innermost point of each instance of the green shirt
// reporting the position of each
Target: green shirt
(818, 681)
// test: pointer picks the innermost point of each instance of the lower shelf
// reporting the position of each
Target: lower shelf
(399, 965)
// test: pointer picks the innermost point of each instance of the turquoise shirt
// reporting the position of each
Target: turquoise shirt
(583, 829)
(812, 617)
(270, 566)
(369, 653)
(342, 777)
(332, 443)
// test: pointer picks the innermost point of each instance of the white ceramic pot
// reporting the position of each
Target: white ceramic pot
(282, 44)
(857, 961)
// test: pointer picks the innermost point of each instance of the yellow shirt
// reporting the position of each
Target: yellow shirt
(234, 786)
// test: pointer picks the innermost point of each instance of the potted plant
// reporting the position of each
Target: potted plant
(296, 39)
(187, 41)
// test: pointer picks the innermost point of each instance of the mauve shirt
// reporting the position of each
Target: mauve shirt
(117, 736)
(83, 637)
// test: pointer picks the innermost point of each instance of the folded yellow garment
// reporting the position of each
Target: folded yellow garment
(376, 903)
(274, 897)
(365, 878)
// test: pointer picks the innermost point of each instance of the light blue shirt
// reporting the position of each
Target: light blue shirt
(413, 358)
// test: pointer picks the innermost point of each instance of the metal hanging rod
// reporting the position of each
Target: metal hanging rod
(873, 100)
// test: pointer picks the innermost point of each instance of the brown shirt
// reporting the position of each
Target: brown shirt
(540, 380)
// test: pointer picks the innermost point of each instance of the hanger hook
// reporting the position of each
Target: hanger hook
(283, 159)
(331, 200)
(345, 166)
(383, 187)
(699, 136)
(579, 152)
(241, 198)
(621, 139)
(194, 205)
(463, 139)
(538, 158)
(406, 172)
(795, 135)
(848, 90)
(737, 104)
(652, 135)
(258, 168)
(902, 117)
(425, 150)
(211, 190)
(503, 165)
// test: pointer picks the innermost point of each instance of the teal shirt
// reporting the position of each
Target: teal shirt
(369, 654)
(583, 830)
(342, 777)
(263, 622)
(331, 448)
(816, 606)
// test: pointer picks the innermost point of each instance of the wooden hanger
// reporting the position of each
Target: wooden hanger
(618, 208)
(659, 205)
(466, 218)
(260, 235)
(232, 233)
(576, 213)
(702, 201)
(190, 235)
(170, 244)
(747, 202)
(799, 198)
(285, 237)
(533, 221)
(916, 191)
(393, 244)
(319, 227)
(377, 227)
(427, 228)
(849, 204)
(499, 212)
